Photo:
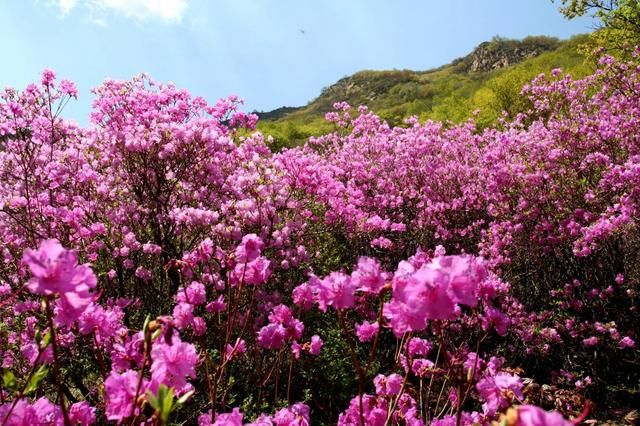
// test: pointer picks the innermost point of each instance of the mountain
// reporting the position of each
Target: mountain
(489, 79)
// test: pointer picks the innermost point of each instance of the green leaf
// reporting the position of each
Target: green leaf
(153, 401)
(147, 320)
(167, 405)
(46, 340)
(9, 380)
(35, 380)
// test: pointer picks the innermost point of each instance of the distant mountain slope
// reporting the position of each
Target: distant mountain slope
(489, 79)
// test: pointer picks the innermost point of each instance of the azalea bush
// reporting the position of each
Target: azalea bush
(161, 265)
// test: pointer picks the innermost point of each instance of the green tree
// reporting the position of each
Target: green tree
(620, 21)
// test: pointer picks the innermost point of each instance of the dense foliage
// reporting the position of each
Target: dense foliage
(162, 265)
(619, 20)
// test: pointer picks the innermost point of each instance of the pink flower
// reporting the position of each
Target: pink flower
(104, 322)
(367, 331)
(418, 346)
(335, 290)
(626, 342)
(56, 271)
(194, 294)
(406, 310)
(296, 415)
(172, 363)
(258, 271)
(249, 249)
(296, 349)
(303, 296)
(316, 345)
(368, 276)
(199, 326)
(48, 77)
(217, 305)
(229, 419)
(255, 272)
(374, 411)
(41, 412)
(499, 391)
(421, 366)
(82, 413)
(432, 292)
(493, 317)
(120, 389)
(182, 315)
(530, 415)
(272, 336)
(239, 347)
(388, 385)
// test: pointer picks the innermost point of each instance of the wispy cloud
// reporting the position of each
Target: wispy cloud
(165, 10)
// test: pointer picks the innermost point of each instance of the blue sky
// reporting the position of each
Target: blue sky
(269, 52)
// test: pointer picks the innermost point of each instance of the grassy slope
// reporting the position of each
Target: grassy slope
(447, 93)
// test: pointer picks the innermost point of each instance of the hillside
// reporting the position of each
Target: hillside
(489, 79)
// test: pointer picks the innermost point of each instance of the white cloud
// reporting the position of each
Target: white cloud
(65, 6)
(141, 10)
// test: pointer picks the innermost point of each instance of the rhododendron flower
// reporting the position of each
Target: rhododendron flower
(530, 415)
(499, 391)
(407, 308)
(493, 317)
(239, 347)
(217, 305)
(104, 322)
(303, 296)
(421, 366)
(255, 272)
(432, 292)
(120, 390)
(56, 271)
(249, 249)
(82, 413)
(473, 363)
(336, 290)
(194, 294)
(626, 342)
(229, 419)
(41, 412)
(296, 415)
(374, 411)
(296, 349)
(366, 331)
(199, 326)
(272, 336)
(263, 420)
(418, 346)
(171, 364)
(388, 385)
(368, 275)
(182, 315)
(315, 345)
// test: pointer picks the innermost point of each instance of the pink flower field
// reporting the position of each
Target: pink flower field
(162, 265)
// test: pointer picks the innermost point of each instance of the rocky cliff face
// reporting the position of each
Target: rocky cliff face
(485, 59)
(501, 53)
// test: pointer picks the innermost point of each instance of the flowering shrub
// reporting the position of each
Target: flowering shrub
(162, 265)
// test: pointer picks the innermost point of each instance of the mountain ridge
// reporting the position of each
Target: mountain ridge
(489, 78)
